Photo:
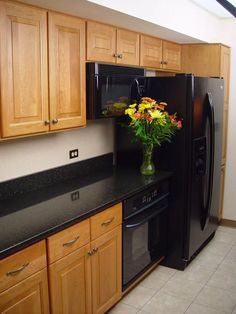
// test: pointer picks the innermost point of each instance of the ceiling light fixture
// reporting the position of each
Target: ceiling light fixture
(229, 5)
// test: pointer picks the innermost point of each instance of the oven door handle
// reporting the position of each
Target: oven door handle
(137, 224)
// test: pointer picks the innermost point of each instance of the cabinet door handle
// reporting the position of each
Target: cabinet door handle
(47, 122)
(120, 55)
(107, 222)
(95, 250)
(17, 271)
(165, 62)
(69, 243)
(115, 55)
(90, 253)
(55, 121)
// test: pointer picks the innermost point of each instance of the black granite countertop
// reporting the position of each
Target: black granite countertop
(31, 216)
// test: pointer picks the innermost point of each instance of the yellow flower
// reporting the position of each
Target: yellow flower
(156, 114)
(132, 106)
(130, 111)
(119, 105)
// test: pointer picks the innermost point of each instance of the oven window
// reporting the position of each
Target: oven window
(144, 242)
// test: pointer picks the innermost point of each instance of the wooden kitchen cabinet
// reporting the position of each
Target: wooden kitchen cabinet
(106, 270)
(66, 71)
(108, 44)
(160, 54)
(211, 60)
(85, 275)
(23, 64)
(70, 283)
(29, 44)
(23, 282)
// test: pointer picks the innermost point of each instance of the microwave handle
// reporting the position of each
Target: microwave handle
(146, 219)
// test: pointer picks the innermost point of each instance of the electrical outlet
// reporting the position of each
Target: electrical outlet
(74, 153)
(74, 196)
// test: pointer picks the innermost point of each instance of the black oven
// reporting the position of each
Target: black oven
(110, 89)
(144, 231)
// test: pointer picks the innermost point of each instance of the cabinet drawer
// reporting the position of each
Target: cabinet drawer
(106, 220)
(68, 240)
(22, 264)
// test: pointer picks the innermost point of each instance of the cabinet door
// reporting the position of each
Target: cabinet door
(127, 47)
(151, 52)
(23, 63)
(225, 71)
(70, 283)
(30, 296)
(101, 42)
(171, 57)
(67, 71)
(106, 270)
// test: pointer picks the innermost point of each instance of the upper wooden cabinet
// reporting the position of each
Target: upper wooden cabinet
(25, 39)
(23, 69)
(108, 44)
(66, 71)
(160, 54)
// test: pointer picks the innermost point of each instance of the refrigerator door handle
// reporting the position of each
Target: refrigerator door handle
(210, 115)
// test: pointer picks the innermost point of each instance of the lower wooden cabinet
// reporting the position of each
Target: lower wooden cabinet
(106, 270)
(70, 283)
(29, 296)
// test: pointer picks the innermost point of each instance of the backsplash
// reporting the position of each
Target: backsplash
(21, 157)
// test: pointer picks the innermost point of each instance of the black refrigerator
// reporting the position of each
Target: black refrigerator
(194, 157)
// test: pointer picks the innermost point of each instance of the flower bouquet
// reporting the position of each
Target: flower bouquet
(151, 125)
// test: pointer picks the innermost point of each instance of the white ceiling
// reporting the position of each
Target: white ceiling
(86, 9)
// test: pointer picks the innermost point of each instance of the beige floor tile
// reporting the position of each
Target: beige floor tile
(122, 308)
(218, 248)
(153, 282)
(209, 259)
(228, 265)
(138, 296)
(166, 270)
(219, 299)
(201, 309)
(225, 237)
(182, 288)
(234, 312)
(223, 279)
(227, 229)
(163, 303)
(232, 254)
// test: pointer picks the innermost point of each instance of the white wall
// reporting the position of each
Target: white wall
(33, 154)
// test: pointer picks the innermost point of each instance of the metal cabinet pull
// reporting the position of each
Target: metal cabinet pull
(69, 243)
(55, 121)
(107, 222)
(165, 62)
(90, 253)
(120, 55)
(115, 55)
(47, 122)
(95, 250)
(17, 271)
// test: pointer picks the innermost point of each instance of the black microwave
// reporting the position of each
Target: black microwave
(110, 89)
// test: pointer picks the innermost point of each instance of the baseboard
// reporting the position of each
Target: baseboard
(228, 223)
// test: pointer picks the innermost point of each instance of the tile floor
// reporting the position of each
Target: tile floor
(207, 286)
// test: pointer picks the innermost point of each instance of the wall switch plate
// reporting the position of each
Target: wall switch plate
(74, 153)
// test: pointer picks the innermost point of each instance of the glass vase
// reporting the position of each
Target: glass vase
(147, 168)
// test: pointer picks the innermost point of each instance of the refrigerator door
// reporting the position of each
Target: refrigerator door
(206, 151)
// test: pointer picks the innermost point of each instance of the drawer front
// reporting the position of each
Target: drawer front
(106, 220)
(22, 264)
(68, 240)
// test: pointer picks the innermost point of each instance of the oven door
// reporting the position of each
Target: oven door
(144, 241)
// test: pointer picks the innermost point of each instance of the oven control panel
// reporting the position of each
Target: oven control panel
(145, 198)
